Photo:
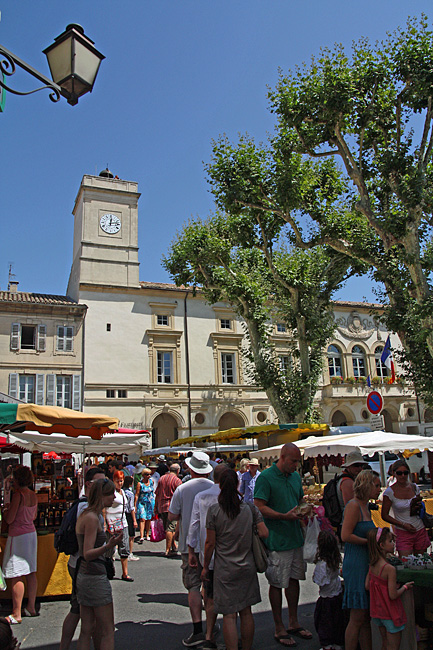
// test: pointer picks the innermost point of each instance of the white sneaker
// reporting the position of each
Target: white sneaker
(133, 558)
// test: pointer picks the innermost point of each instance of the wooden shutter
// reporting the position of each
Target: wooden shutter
(42, 338)
(69, 339)
(51, 385)
(60, 334)
(13, 385)
(15, 336)
(40, 389)
(76, 392)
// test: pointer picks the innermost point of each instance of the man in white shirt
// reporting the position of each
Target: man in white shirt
(196, 542)
(72, 618)
(180, 509)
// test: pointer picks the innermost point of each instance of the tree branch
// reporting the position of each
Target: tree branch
(427, 124)
(314, 154)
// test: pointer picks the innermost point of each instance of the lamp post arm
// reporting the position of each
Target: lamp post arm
(8, 63)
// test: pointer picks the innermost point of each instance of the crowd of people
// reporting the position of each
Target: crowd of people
(210, 511)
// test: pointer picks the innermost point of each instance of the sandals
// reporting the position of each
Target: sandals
(301, 633)
(12, 620)
(285, 637)
(127, 579)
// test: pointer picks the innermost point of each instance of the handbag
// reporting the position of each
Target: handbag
(109, 567)
(3, 585)
(116, 525)
(157, 532)
(260, 552)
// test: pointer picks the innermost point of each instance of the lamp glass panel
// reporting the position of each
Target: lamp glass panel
(59, 60)
(86, 63)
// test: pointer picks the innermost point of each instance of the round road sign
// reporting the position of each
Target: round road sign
(374, 402)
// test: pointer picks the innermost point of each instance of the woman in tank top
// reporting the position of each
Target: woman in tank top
(92, 584)
(21, 547)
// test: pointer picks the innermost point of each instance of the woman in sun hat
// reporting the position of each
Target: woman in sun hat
(353, 464)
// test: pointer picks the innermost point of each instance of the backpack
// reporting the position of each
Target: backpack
(331, 502)
(65, 539)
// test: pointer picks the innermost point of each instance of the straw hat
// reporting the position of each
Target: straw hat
(353, 458)
(199, 463)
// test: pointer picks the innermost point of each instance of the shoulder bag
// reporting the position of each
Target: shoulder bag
(260, 552)
(116, 525)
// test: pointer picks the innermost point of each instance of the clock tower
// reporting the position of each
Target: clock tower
(105, 250)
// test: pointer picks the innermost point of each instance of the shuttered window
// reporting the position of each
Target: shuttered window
(64, 391)
(65, 338)
(27, 388)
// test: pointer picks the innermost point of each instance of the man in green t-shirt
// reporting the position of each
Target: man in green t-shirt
(277, 494)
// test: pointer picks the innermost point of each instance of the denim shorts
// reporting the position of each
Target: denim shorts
(388, 625)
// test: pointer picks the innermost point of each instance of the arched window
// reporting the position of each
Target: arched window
(334, 361)
(358, 361)
(381, 369)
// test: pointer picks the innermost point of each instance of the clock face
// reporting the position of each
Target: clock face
(110, 223)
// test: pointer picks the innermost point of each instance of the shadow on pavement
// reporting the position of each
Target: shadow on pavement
(169, 598)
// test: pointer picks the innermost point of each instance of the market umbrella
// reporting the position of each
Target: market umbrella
(115, 443)
(366, 442)
(54, 419)
(294, 429)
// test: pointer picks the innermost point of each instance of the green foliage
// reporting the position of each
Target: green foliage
(350, 168)
(239, 258)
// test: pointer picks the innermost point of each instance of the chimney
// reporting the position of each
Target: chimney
(13, 286)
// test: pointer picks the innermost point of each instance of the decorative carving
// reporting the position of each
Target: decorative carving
(355, 327)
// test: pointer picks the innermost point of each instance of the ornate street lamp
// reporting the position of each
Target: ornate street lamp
(74, 63)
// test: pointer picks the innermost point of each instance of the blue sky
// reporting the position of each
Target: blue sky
(177, 74)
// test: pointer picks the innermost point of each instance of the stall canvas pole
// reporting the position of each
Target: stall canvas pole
(382, 468)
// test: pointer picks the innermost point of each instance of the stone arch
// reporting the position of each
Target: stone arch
(231, 420)
(338, 344)
(342, 416)
(428, 415)
(164, 430)
(390, 419)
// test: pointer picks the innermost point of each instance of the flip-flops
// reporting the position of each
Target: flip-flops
(284, 637)
(297, 631)
(12, 620)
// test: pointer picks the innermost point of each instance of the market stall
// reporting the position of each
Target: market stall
(55, 484)
(419, 603)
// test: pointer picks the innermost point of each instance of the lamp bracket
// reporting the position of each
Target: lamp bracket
(8, 63)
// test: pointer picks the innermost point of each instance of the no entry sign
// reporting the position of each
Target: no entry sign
(374, 402)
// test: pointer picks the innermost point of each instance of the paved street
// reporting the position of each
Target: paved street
(152, 612)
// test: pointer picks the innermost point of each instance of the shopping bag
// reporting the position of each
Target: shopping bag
(310, 543)
(3, 585)
(157, 532)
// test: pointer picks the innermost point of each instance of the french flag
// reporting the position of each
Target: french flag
(387, 359)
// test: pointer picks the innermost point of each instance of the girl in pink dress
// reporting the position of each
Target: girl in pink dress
(386, 608)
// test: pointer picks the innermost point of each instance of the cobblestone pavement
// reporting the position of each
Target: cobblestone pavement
(152, 612)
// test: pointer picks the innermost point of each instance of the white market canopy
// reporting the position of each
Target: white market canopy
(367, 443)
(115, 443)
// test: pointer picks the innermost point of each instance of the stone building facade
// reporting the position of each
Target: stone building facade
(41, 344)
(158, 357)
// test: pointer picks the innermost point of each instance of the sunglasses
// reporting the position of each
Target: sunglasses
(405, 473)
(357, 465)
